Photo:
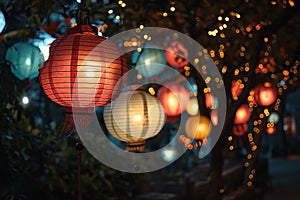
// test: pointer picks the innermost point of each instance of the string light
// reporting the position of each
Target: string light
(25, 100)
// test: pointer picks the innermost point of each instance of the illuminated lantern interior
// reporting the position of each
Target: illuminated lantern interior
(150, 61)
(265, 94)
(242, 115)
(271, 130)
(192, 106)
(134, 117)
(174, 98)
(82, 71)
(25, 60)
(197, 127)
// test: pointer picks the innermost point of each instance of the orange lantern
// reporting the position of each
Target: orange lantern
(242, 115)
(176, 54)
(265, 94)
(271, 130)
(197, 127)
(240, 129)
(174, 98)
(236, 89)
(81, 71)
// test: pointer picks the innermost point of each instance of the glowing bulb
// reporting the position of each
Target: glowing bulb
(25, 100)
(172, 9)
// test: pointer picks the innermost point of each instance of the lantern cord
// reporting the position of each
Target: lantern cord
(79, 148)
(79, 175)
(83, 15)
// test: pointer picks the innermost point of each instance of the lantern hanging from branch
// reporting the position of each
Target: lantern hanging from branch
(150, 61)
(174, 98)
(198, 127)
(240, 129)
(25, 60)
(271, 130)
(134, 117)
(81, 72)
(242, 114)
(176, 55)
(192, 106)
(265, 94)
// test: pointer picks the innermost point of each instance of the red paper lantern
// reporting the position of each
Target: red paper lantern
(174, 98)
(271, 130)
(240, 129)
(242, 115)
(265, 94)
(81, 71)
(176, 54)
(209, 101)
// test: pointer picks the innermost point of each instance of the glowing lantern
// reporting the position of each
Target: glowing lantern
(192, 106)
(274, 118)
(197, 127)
(214, 117)
(25, 60)
(150, 61)
(236, 89)
(209, 101)
(82, 71)
(271, 130)
(240, 129)
(134, 117)
(242, 115)
(169, 154)
(176, 54)
(174, 98)
(265, 94)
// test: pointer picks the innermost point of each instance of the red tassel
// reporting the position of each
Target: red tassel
(83, 117)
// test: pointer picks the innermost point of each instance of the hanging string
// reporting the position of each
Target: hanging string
(79, 148)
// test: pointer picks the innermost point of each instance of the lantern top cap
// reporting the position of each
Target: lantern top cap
(83, 29)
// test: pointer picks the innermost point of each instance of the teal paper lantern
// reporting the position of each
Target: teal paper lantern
(150, 61)
(25, 60)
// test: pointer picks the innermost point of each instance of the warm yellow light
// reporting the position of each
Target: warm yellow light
(110, 11)
(165, 14)
(172, 9)
(192, 107)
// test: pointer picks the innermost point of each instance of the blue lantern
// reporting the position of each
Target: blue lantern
(150, 61)
(25, 60)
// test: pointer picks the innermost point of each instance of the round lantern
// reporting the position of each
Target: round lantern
(25, 60)
(265, 94)
(240, 129)
(271, 130)
(150, 61)
(192, 107)
(242, 115)
(274, 118)
(174, 98)
(81, 71)
(176, 54)
(134, 117)
(197, 127)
